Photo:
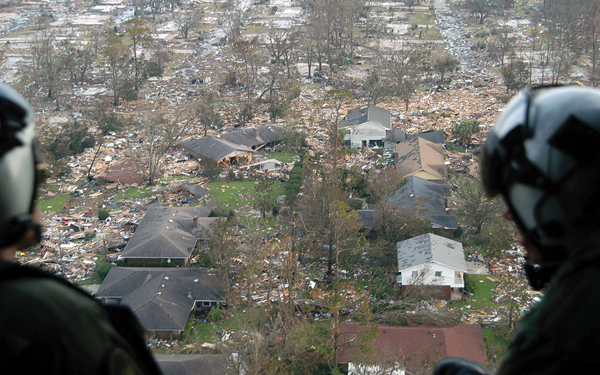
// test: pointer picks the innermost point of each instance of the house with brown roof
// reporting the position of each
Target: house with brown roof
(407, 349)
(124, 173)
(422, 158)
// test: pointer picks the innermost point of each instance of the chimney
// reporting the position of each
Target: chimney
(256, 132)
(189, 293)
(195, 221)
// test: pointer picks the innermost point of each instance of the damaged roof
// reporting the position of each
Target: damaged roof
(195, 190)
(125, 173)
(214, 148)
(253, 137)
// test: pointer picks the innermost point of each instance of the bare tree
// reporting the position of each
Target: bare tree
(402, 69)
(149, 151)
(336, 99)
(186, 22)
(48, 61)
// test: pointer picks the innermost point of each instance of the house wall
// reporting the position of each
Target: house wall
(450, 277)
(366, 132)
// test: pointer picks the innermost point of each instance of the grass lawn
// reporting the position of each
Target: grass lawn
(205, 331)
(54, 204)
(482, 295)
(135, 193)
(284, 156)
(233, 195)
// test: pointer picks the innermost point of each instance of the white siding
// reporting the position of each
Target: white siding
(448, 275)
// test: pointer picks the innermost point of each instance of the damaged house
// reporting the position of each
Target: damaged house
(124, 173)
(162, 298)
(186, 193)
(367, 126)
(236, 147)
(168, 234)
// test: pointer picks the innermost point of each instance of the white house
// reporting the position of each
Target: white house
(432, 261)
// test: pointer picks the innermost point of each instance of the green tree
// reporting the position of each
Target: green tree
(465, 130)
(116, 54)
(263, 197)
(138, 33)
(515, 74)
(483, 8)
(106, 120)
(444, 62)
(474, 206)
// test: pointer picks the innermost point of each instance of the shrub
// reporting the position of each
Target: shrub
(104, 269)
(103, 215)
(215, 315)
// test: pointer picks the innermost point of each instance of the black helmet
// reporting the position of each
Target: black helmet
(18, 167)
(543, 156)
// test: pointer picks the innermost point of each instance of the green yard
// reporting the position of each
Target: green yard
(54, 204)
(235, 195)
(284, 156)
(135, 193)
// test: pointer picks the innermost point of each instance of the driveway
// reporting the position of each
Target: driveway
(477, 268)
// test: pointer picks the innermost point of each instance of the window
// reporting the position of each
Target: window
(438, 273)
(415, 273)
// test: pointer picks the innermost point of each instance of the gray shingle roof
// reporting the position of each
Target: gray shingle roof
(159, 296)
(368, 113)
(431, 248)
(192, 364)
(367, 217)
(214, 148)
(253, 137)
(419, 191)
(167, 232)
(239, 141)
(435, 136)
